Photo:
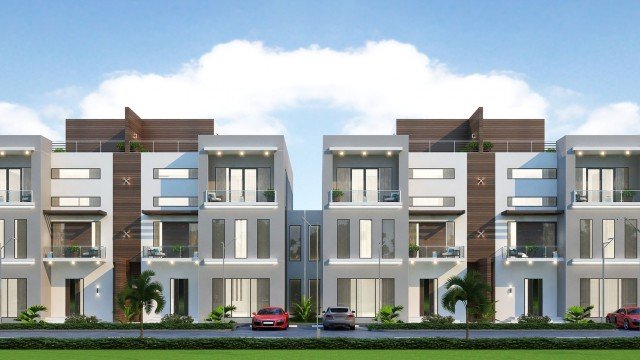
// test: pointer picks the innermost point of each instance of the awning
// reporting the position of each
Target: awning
(169, 212)
(532, 212)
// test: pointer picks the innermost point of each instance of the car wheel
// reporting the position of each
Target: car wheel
(626, 324)
(352, 327)
(252, 328)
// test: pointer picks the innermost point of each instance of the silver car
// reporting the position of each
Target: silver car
(338, 317)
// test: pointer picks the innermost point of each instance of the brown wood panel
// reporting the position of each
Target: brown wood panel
(420, 131)
(520, 133)
(183, 129)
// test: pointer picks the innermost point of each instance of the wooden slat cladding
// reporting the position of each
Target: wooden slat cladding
(523, 134)
(183, 129)
(481, 213)
(420, 131)
(95, 129)
(126, 220)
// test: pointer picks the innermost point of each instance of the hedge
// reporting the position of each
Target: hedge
(491, 326)
(116, 326)
(322, 343)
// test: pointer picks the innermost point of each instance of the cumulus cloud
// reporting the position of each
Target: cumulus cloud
(242, 84)
(20, 120)
(614, 119)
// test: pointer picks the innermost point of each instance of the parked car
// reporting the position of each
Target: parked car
(626, 317)
(338, 317)
(270, 318)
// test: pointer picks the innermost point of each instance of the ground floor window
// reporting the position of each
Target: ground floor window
(615, 294)
(365, 295)
(13, 297)
(179, 297)
(74, 296)
(315, 291)
(428, 297)
(247, 295)
(533, 297)
(295, 293)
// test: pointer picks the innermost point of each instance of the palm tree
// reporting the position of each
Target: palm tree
(31, 314)
(389, 313)
(471, 291)
(142, 293)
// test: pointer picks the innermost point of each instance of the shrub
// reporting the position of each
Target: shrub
(220, 313)
(116, 326)
(438, 319)
(578, 314)
(303, 311)
(389, 314)
(533, 319)
(473, 146)
(491, 326)
(175, 319)
(81, 320)
(31, 314)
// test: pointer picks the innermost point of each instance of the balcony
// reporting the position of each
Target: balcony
(16, 198)
(367, 198)
(606, 198)
(530, 254)
(264, 198)
(74, 253)
(171, 253)
(436, 254)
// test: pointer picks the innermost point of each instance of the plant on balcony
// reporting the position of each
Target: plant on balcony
(389, 314)
(120, 145)
(627, 195)
(471, 290)
(137, 146)
(533, 319)
(59, 150)
(270, 195)
(336, 195)
(31, 314)
(177, 250)
(578, 314)
(303, 311)
(144, 294)
(413, 250)
(73, 251)
(220, 313)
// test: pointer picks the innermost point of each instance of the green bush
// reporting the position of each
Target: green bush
(333, 343)
(492, 326)
(438, 319)
(533, 319)
(31, 315)
(175, 319)
(389, 314)
(221, 313)
(116, 326)
(303, 311)
(81, 320)
(473, 146)
(578, 314)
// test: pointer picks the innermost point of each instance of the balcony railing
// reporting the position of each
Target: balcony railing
(439, 252)
(606, 196)
(365, 196)
(119, 146)
(169, 252)
(240, 196)
(15, 196)
(530, 251)
(489, 146)
(74, 252)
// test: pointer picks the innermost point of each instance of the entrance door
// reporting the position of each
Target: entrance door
(533, 296)
(74, 296)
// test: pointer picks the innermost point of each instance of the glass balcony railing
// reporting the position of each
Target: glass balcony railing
(438, 252)
(241, 196)
(15, 196)
(170, 252)
(74, 252)
(364, 196)
(530, 251)
(606, 196)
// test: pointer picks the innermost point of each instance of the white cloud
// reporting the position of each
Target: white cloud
(614, 119)
(241, 84)
(19, 120)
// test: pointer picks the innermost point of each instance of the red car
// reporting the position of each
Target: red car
(626, 317)
(270, 318)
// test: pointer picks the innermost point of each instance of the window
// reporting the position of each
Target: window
(65, 236)
(364, 295)
(428, 297)
(314, 242)
(74, 296)
(448, 173)
(175, 173)
(601, 184)
(388, 239)
(13, 297)
(241, 239)
(344, 238)
(533, 296)
(586, 238)
(364, 185)
(179, 297)
(247, 295)
(294, 242)
(263, 238)
(243, 184)
(1, 238)
(218, 238)
(631, 238)
(315, 291)
(365, 239)
(609, 238)
(531, 239)
(295, 293)
(516, 201)
(617, 293)
(442, 201)
(20, 236)
(68, 173)
(531, 173)
(83, 201)
(15, 185)
(435, 238)
(178, 201)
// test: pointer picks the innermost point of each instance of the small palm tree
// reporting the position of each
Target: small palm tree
(389, 313)
(303, 311)
(578, 314)
(471, 290)
(142, 293)
(31, 314)
(127, 307)
(220, 313)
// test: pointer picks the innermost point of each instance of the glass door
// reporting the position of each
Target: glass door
(533, 296)
(74, 291)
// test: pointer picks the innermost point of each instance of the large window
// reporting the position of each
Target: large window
(13, 298)
(365, 295)
(533, 296)
(1, 238)
(526, 201)
(295, 293)
(241, 239)
(179, 297)
(314, 242)
(15, 185)
(177, 201)
(631, 238)
(175, 173)
(435, 238)
(365, 239)
(69, 173)
(315, 292)
(609, 238)
(364, 185)
(586, 238)
(531, 239)
(218, 238)
(74, 296)
(243, 184)
(434, 201)
(294, 242)
(264, 235)
(344, 238)
(447, 173)
(601, 184)
(617, 293)
(531, 173)
(247, 295)
(20, 235)
(388, 239)
(75, 201)
(428, 297)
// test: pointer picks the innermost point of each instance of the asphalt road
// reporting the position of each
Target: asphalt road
(310, 332)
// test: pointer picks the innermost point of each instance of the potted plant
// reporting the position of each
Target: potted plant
(628, 195)
(270, 195)
(413, 250)
(177, 249)
(74, 250)
(336, 195)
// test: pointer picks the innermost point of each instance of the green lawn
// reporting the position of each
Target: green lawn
(317, 354)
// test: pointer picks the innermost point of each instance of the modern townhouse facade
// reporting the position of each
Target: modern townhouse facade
(212, 216)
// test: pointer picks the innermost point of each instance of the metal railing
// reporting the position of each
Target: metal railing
(74, 252)
(439, 252)
(530, 251)
(364, 196)
(119, 146)
(15, 196)
(606, 196)
(490, 146)
(170, 252)
(240, 196)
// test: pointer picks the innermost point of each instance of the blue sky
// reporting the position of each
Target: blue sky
(578, 58)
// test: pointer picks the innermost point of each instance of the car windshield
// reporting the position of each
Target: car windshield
(270, 312)
(339, 310)
(634, 311)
